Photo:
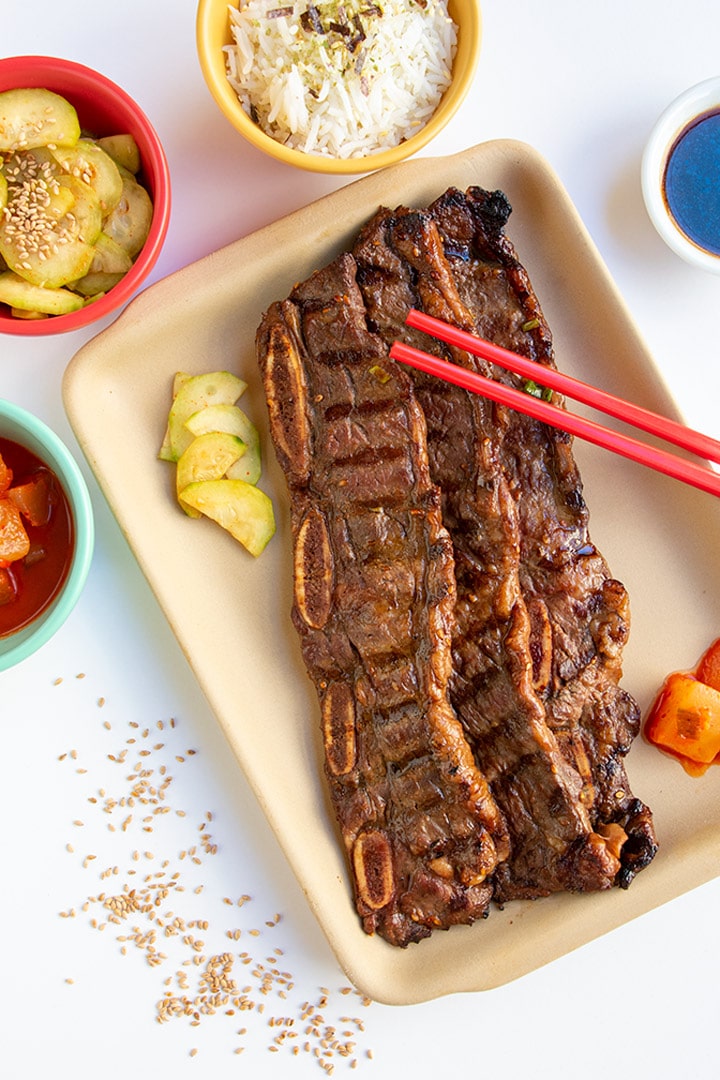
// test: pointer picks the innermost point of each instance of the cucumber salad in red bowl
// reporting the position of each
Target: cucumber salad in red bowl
(84, 196)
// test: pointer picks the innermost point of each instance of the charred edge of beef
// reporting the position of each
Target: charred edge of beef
(587, 609)
(534, 599)
(374, 605)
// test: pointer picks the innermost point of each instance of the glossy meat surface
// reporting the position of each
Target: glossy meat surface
(374, 607)
(463, 632)
(540, 621)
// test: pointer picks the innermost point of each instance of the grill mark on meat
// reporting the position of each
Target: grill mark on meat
(562, 571)
(517, 623)
(374, 603)
(512, 501)
(400, 255)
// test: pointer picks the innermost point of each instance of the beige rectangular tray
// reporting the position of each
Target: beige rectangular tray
(231, 613)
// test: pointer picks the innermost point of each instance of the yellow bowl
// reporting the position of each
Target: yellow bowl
(213, 33)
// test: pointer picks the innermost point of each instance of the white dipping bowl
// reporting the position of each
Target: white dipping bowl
(689, 106)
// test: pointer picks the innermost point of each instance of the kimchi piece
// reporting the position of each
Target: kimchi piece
(684, 720)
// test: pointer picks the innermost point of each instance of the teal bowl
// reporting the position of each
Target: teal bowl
(28, 431)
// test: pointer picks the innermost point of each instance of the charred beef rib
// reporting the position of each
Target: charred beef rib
(463, 633)
(540, 621)
(373, 603)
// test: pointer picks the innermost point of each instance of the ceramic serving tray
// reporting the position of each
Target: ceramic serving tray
(231, 614)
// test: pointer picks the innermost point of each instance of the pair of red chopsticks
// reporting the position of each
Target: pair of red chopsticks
(699, 476)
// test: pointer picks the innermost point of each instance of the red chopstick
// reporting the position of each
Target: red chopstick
(667, 429)
(689, 472)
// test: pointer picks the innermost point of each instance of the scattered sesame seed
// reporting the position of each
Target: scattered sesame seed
(203, 984)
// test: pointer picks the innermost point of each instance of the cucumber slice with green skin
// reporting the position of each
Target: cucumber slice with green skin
(129, 221)
(95, 283)
(94, 167)
(179, 380)
(21, 294)
(18, 313)
(234, 421)
(36, 117)
(86, 212)
(249, 468)
(123, 150)
(207, 458)
(109, 257)
(3, 192)
(109, 266)
(242, 509)
(216, 387)
(40, 246)
(31, 177)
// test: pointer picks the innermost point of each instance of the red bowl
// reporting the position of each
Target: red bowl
(103, 109)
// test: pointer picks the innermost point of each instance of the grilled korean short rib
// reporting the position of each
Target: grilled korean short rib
(540, 622)
(462, 631)
(373, 604)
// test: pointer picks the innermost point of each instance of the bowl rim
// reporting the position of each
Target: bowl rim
(692, 102)
(41, 69)
(209, 43)
(52, 449)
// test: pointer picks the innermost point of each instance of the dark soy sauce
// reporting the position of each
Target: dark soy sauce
(692, 181)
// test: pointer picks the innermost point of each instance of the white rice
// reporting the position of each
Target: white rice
(341, 93)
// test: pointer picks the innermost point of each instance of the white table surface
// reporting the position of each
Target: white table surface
(584, 84)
